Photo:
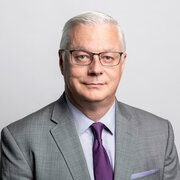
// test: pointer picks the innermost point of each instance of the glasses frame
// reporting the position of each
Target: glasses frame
(91, 55)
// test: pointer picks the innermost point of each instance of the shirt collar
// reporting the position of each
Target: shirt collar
(82, 122)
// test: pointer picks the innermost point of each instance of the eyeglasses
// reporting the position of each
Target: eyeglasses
(84, 58)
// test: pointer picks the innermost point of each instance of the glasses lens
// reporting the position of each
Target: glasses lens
(81, 57)
(110, 58)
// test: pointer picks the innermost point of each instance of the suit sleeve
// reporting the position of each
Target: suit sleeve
(171, 165)
(13, 163)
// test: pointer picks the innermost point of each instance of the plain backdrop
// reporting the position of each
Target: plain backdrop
(30, 32)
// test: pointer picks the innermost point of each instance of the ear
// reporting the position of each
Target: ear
(123, 59)
(61, 62)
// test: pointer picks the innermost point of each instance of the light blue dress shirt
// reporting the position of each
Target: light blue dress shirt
(83, 123)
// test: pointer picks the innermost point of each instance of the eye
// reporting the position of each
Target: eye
(81, 56)
(108, 58)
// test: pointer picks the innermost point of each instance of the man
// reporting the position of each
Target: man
(62, 141)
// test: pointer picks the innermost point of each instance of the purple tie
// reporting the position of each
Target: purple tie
(102, 166)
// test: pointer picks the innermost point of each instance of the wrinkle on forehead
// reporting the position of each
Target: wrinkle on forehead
(87, 49)
(95, 38)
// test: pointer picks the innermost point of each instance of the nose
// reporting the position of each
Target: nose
(95, 68)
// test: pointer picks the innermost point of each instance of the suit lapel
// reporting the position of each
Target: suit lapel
(125, 134)
(67, 140)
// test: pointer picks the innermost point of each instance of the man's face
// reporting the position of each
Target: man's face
(94, 82)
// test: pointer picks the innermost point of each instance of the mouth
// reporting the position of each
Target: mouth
(94, 84)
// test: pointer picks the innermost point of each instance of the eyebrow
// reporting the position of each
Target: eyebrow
(79, 48)
(85, 49)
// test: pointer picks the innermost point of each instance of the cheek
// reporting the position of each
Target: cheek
(114, 78)
(115, 82)
(114, 75)
(73, 75)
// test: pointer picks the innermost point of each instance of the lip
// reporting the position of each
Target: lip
(94, 84)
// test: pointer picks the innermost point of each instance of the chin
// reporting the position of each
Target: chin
(94, 98)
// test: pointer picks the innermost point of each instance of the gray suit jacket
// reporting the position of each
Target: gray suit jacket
(46, 146)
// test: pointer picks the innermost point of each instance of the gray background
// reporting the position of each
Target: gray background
(30, 32)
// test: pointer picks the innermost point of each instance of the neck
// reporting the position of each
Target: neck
(93, 110)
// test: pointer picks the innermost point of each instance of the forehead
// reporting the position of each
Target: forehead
(99, 37)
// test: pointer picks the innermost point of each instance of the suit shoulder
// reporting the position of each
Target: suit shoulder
(33, 121)
(147, 124)
(144, 118)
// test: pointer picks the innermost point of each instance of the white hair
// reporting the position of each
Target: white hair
(89, 18)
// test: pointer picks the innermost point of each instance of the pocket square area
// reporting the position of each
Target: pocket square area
(142, 174)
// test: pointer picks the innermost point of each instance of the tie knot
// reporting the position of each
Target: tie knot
(97, 130)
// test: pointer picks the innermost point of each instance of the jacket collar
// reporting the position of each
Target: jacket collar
(67, 140)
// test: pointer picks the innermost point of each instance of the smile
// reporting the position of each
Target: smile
(94, 84)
